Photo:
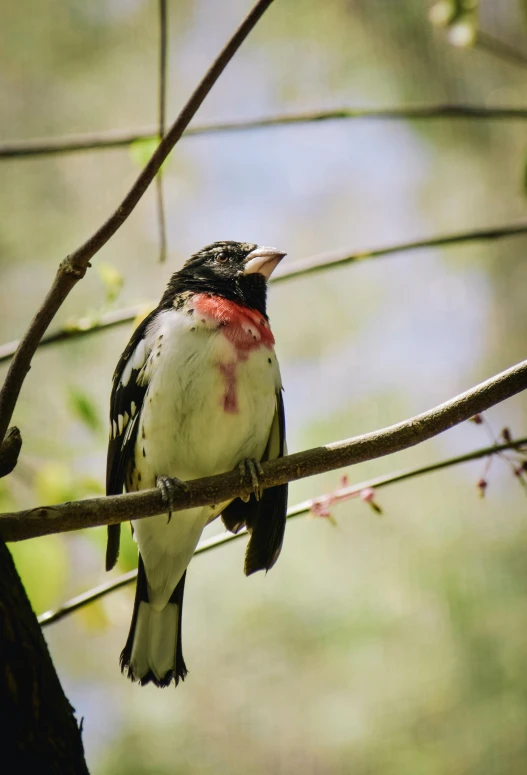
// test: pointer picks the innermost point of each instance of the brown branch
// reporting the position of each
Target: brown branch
(9, 451)
(64, 517)
(338, 258)
(119, 138)
(91, 595)
(82, 327)
(499, 48)
(321, 262)
(161, 126)
(39, 732)
(74, 266)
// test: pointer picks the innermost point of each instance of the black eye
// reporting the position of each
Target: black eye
(222, 258)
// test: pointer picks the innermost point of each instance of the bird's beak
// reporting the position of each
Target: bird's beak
(263, 260)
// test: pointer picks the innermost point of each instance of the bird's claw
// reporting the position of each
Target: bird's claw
(254, 469)
(169, 486)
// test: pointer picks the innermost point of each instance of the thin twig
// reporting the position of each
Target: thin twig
(54, 615)
(118, 138)
(337, 258)
(161, 97)
(81, 327)
(500, 49)
(321, 262)
(114, 509)
(9, 451)
(74, 266)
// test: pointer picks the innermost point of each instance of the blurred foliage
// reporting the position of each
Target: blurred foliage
(84, 408)
(380, 646)
(459, 16)
(112, 280)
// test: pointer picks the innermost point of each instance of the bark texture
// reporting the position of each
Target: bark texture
(39, 732)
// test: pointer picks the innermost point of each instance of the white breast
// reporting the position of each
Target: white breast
(205, 410)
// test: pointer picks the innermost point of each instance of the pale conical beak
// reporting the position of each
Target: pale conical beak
(263, 260)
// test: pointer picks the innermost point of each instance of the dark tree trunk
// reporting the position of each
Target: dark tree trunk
(38, 730)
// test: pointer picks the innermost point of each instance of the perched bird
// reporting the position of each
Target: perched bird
(197, 392)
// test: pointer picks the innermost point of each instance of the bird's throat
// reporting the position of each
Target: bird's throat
(245, 329)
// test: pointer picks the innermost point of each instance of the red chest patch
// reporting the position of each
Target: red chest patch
(245, 328)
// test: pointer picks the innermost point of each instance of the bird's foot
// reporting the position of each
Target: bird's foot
(169, 487)
(254, 469)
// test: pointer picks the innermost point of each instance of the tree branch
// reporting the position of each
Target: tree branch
(499, 48)
(342, 494)
(118, 138)
(39, 732)
(114, 509)
(320, 262)
(74, 266)
(9, 451)
(81, 327)
(161, 97)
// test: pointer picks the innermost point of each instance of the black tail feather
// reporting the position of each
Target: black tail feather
(238, 513)
(181, 671)
(112, 547)
(267, 527)
(141, 596)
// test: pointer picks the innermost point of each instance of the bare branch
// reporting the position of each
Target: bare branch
(74, 266)
(70, 606)
(500, 49)
(161, 126)
(321, 262)
(118, 138)
(114, 509)
(9, 451)
(338, 258)
(81, 327)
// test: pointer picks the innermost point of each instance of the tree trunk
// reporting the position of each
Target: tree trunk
(38, 731)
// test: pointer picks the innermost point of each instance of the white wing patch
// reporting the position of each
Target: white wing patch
(139, 356)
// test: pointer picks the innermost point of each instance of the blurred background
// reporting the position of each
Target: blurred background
(389, 644)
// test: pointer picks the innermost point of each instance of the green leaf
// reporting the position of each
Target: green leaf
(142, 150)
(112, 280)
(84, 409)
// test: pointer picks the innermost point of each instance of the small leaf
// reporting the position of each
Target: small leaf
(141, 152)
(112, 280)
(84, 409)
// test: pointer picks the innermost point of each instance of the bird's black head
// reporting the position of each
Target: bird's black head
(235, 270)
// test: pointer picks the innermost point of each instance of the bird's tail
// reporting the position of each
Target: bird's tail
(153, 651)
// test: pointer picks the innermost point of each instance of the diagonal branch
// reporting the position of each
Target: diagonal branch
(216, 489)
(320, 262)
(9, 451)
(344, 493)
(118, 138)
(161, 97)
(500, 49)
(74, 266)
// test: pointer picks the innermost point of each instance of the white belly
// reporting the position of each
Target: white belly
(206, 410)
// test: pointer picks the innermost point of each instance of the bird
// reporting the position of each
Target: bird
(196, 392)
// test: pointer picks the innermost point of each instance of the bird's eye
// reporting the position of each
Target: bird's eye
(222, 258)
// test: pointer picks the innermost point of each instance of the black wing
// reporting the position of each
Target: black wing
(265, 519)
(126, 402)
